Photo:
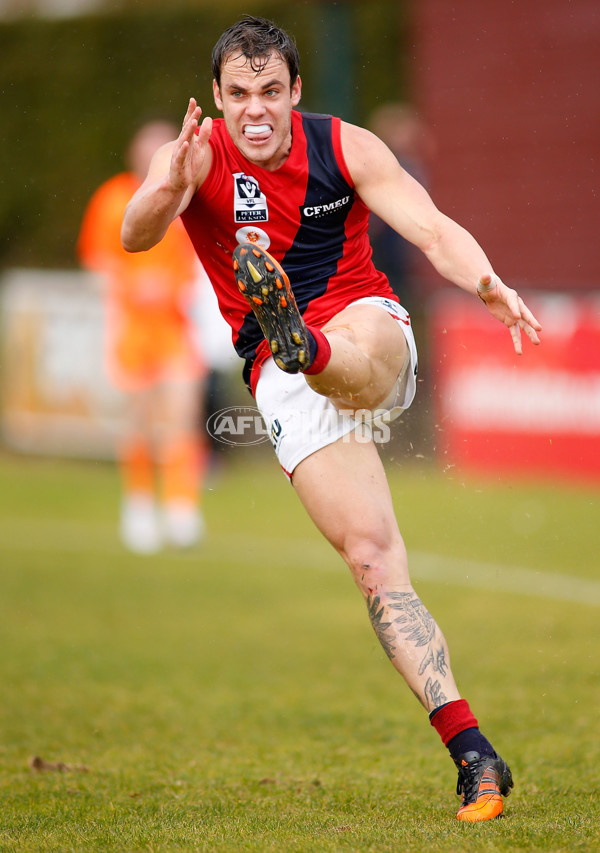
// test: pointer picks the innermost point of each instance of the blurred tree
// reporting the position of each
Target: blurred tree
(72, 91)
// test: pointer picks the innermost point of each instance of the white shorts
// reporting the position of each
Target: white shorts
(300, 421)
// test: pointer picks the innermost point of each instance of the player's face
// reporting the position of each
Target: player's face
(257, 108)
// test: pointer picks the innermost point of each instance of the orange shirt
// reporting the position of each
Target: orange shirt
(149, 293)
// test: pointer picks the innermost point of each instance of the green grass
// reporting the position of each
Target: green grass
(236, 699)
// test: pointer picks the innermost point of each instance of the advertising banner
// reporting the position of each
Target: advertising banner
(498, 412)
(56, 396)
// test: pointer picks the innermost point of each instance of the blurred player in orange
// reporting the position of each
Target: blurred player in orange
(153, 357)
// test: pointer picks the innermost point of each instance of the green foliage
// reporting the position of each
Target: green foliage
(235, 698)
(72, 91)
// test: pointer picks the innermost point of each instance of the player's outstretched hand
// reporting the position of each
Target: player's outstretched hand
(190, 148)
(507, 306)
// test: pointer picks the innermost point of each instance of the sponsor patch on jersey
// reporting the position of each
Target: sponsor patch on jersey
(318, 211)
(249, 203)
(252, 234)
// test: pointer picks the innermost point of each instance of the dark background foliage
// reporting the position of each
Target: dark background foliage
(72, 91)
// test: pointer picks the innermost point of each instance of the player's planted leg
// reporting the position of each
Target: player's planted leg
(331, 485)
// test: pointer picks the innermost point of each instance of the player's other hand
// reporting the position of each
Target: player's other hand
(507, 306)
(190, 149)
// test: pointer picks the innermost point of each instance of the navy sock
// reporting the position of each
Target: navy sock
(470, 740)
(312, 345)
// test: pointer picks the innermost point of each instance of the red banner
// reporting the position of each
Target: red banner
(538, 413)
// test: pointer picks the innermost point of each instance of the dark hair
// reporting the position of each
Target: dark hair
(256, 39)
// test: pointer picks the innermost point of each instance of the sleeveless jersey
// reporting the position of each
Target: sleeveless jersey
(306, 214)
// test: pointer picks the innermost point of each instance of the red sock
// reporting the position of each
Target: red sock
(320, 351)
(453, 718)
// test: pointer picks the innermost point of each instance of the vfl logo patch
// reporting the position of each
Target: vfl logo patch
(249, 204)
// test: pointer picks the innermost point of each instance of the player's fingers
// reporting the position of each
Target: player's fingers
(190, 127)
(180, 165)
(191, 108)
(515, 333)
(203, 131)
(190, 122)
(528, 316)
(512, 300)
(530, 332)
(180, 152)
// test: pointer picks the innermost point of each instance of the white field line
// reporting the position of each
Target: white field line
(498, 577)
(80, 537)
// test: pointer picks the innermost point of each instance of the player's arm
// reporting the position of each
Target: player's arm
(397, 198)
(176, 171)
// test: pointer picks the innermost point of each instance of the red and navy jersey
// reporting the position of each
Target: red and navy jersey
(306, 214)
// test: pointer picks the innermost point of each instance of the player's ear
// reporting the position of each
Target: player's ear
(217, 95)
(296, 91)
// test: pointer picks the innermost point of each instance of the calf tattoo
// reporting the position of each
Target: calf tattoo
(384, 631)
(418, 627)
(434, 695)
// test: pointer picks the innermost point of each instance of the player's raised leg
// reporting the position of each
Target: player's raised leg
(368, 353)
(355, 359)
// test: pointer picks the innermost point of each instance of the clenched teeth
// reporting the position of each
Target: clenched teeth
(256, 129)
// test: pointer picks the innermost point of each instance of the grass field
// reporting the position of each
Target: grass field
(236, 699)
